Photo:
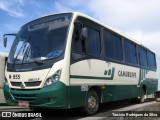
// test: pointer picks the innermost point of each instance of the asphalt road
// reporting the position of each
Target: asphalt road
(105, 110)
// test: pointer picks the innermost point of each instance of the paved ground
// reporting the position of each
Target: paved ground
(13, 108)
(104, 111)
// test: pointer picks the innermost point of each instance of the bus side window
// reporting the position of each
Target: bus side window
(77, 44)
(113, 46)
(142, 57)
(151, 61)
(89, 46)
(130, 52)
(118, 52)
(109, 48)
(93, 42)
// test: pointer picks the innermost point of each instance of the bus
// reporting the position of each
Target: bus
(3, 59)
(69, 60)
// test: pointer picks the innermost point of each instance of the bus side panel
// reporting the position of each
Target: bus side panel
(77, 96)
(151, 85)
(120, 92)
(120, 80)
(149, 79)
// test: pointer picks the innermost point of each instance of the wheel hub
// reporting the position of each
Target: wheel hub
(92, 102)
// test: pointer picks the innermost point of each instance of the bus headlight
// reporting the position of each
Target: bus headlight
(53, 79)
(6, 82)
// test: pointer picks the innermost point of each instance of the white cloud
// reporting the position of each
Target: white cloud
(71, 5)
(19, 1)
(12, 7)
(121, 14)
(128, 14)
(60, 8)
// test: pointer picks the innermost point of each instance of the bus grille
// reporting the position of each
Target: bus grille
(24, 97)
(17, 84)
(32, 84)
(27, 84)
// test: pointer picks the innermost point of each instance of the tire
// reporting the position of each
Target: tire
(142, 96)
(92, 103)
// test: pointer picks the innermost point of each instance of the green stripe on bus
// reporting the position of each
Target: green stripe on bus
(89, 77)
(94, 77)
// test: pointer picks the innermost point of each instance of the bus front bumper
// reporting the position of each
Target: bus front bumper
(53, 96)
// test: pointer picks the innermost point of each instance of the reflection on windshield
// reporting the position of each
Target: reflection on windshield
(40, 41)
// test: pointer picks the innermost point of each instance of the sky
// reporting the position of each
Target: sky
(139, 19)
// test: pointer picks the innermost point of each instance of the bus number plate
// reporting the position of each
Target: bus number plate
(23, 103)
(15, 76)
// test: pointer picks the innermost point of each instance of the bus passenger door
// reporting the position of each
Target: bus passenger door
(86, 48)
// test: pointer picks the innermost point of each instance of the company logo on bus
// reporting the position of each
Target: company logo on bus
(22, 85)
(109, 73)
(122, 73)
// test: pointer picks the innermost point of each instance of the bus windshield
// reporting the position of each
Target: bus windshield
(41, 39)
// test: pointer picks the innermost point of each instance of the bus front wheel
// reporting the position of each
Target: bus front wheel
(92, 103)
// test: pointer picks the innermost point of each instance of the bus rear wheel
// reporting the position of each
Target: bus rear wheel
(142, 96)
(92, 103)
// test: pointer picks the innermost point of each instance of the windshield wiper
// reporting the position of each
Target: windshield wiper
(26, 52)
(38, 61)
(19, 52)
(22, 47)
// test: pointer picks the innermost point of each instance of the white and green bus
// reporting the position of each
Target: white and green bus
(70, 60)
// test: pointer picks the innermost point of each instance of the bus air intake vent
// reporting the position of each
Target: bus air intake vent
(17, 84)
(27, 84)
(32, 84)
(24, 97)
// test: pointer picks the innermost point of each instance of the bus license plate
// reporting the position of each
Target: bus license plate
(23, 103)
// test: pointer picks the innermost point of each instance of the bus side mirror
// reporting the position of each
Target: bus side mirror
(5, 41)
(84, 34)
(5, 38)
